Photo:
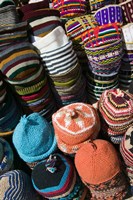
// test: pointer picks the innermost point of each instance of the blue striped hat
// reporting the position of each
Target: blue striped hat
(16, 185)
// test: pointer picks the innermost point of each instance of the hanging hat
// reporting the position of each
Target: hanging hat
(6, 156)
(74, 125)
(16, 184)
(56, 178)
(34, 138)
(116, 108)
(99, 167)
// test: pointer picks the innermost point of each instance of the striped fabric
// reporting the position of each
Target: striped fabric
(116, 109)
(11, 14)
(16, 184)
(69, 8)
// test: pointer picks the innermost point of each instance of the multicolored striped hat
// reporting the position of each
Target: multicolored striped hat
(16, 184)
(116, 109)
(56, 178)
(6, 156)
(75, 125)
(98, 164)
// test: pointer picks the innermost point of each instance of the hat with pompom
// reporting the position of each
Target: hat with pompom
(56, 178)
(34, 138)
(74, 125)
(99, 167)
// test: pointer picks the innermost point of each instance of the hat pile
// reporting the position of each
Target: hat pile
(6, 156)
(16, 184)
(126, 70)
(62, 66)
(104, 49)
(126, 149)
(116, 109)
(34, 138)
(127, 10)
(70, 8)
(75, 27)
(99, 167)
(10, 110)
(20, 63)
(42, 20)
(75, 125)
(63, 182)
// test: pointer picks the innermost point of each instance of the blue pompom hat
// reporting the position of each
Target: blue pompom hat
(34, 138)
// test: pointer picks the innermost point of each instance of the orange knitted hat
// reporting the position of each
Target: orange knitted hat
(74, 125)
(97, 162)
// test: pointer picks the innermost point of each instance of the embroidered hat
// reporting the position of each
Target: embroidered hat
(16, 184)
(109, 14)
(110, 182)
(97, 4)
(116, 108)
(6, 156)
(34, 138)
(74, 125)
(56, 178)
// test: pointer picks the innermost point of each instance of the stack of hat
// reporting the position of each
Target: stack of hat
(16, 184)
(10, 110)
(56, 178)
(70, 8)
(34, 139)
(6, 156)
(127, 10)
(104, 49)
(75, 27)
(42, 20)
(99, 167)
(126, 149)
(62, 66)
(126, 70)
(75, 125)
(116, 109)
(20, 63)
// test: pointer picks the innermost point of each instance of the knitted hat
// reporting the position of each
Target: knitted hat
(11, 14)
(15, 185)
(97, 4)
(74, 125)
(108, 183)
(127, 7)
(34, 138)
(116, 108)
(6, 156)
(70, 8)
(109, 14)
(56, 178)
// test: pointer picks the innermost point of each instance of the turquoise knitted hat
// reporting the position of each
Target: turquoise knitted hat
(34, 138)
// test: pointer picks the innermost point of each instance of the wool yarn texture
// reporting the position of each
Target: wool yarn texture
(126, 149)
(75, 125)
(16, 184)
(63, 183)
(34, 138)
(6, 156)
(116, 109)
(110, 183)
